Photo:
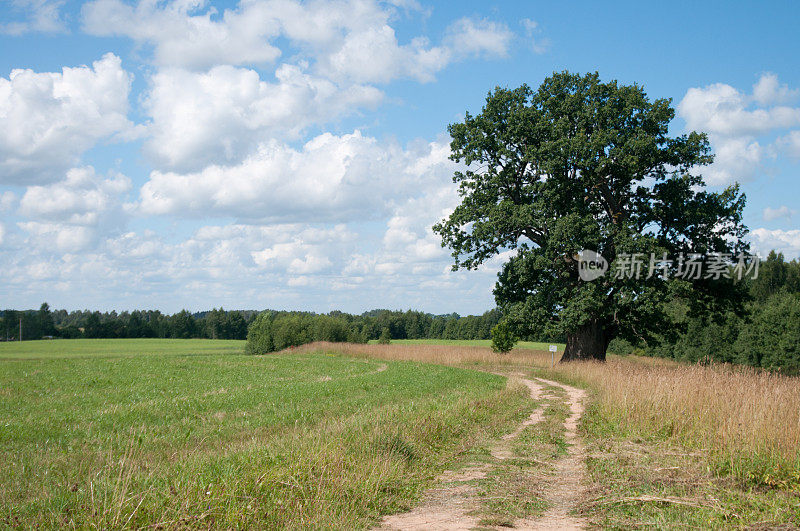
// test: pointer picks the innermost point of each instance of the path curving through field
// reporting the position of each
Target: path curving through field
(567, 487)
(451, 505)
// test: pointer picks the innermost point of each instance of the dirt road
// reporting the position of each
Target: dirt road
(454, 502)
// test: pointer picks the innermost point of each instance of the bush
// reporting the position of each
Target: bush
(328, 328)
(386, 337)
(291, 331)
(259, 335)
(772, 339)
(503, 339)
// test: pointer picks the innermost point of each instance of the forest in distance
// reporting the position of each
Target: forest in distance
(766, 334)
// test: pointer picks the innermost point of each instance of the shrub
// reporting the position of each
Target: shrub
(772, 339)
(503, 339)
(291, 331)
(386, 337)
(259, 335)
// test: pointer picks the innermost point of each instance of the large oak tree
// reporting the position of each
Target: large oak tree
(582, 164)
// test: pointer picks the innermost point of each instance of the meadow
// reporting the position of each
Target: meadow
(176, 433)
(133, 433)
(670, 444)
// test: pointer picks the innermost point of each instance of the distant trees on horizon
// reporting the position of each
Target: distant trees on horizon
(226, 324)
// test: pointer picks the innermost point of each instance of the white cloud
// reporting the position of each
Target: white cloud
(221, 115)
(771, 214)
(334, 221)
(55, 236)
(42, 16)
(47, 120)
(735, 159)
(330, 178)
(790, 144)
(785, 241)
(720, 109)
(348, 40)
(75, 213)
(373, 55)
(478, 37)
(538, 44)
(7, 201)
(82, 198)
(184, 34)
(768, 91)
(735, 123)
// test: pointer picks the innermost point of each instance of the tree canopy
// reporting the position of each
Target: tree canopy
(582, 164)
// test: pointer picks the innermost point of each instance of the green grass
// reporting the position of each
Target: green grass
(115, 348)
(533, 345)
(131, 433)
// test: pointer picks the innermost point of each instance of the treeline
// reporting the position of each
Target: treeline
(766, 334)
(44, 323)
(222, 324)
(272, 331)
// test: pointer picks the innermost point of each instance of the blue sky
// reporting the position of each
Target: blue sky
(283, 154)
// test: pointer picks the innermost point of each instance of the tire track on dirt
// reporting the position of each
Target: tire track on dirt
(567, 487)
(452, 504)
(448, 506)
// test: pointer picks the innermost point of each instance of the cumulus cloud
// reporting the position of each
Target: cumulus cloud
(346, 40)
(40, 16)
(221, 115)
(72, 214)
(781, 212)
(330, 178)
(49, 237)
(47, 120)
(723, 110)
(768, 91)
(787, 241)
(478, 37)
(735, 121)
(185, 34)
(318, 220)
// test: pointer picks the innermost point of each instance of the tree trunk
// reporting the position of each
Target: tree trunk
(589, 342)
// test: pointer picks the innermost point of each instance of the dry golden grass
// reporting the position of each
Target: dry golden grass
(746, 420)
(453, 355)
(719, 407)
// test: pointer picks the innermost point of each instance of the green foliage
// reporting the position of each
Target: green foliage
(503, 339)
(775, 276)
(386, 337)
(221, 324)
(764, 334)
(582, 164)
(291, 331)
(259, 335)
(772, 339)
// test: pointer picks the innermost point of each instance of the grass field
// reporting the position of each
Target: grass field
(671, 445)
(116, 433)
(111, 348)
(532, 345)
(173, 433)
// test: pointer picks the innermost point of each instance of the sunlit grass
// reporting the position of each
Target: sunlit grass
(107, 438)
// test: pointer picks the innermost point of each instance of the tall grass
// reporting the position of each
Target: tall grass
(746, 421)
(448, 354)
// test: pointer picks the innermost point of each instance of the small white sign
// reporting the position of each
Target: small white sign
(553, 348)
